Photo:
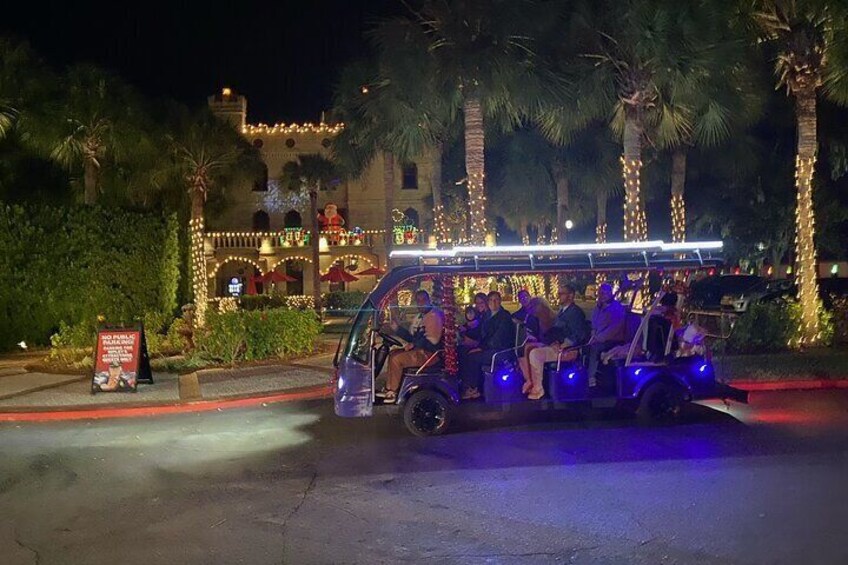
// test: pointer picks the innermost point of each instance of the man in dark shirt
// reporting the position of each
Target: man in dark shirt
(570, 328)
(497, 334)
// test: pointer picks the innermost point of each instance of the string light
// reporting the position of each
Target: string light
(199, 285)
(232, 258)
(227, 304)
(805, 252)
(292, 258)
(477, 207)
(449, 309)
(345, 257)
(280, 129)
(678, 218)
(300, 301)
(635, 222)
(440, 225)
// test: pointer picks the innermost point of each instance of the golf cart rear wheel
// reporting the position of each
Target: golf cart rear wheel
(661, 403)
(427, 413)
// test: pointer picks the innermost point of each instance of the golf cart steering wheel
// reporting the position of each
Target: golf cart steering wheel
(391, 340)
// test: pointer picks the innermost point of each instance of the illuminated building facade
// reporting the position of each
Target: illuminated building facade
(265, 226)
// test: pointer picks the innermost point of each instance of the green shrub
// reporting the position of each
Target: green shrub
(72, 264)
(256, 335)
(345, 301)
(262, 301)
(772, 327)
(74, 337)
(764, 328)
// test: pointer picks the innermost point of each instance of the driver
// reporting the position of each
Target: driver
(424, 338)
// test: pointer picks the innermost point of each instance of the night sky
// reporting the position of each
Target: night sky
(284, 56)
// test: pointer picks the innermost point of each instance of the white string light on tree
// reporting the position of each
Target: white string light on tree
(678, 218)
(635, 222)
(805, 251)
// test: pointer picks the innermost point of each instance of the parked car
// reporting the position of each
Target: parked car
(736, 293)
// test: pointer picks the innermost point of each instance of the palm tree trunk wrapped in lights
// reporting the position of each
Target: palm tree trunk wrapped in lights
(475, 169)
(635, 223)
(678, 185)
(199, 282)
(805, 250)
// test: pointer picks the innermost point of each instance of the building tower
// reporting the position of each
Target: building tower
(230, 107)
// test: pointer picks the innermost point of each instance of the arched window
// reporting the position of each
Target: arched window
(410, 176)
(261, 182)
(412, 214)
(292, 219)
(261, 221)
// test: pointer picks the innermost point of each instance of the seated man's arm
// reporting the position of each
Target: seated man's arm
(612, 325)
(504, 335)
(404, 333)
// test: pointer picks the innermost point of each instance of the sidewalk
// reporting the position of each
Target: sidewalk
(24, 392)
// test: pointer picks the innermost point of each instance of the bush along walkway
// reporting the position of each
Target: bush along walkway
(207, 388)
(812, 365)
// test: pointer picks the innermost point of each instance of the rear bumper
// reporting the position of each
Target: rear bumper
(724, 392)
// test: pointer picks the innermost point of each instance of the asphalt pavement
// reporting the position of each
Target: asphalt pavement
(291, 483)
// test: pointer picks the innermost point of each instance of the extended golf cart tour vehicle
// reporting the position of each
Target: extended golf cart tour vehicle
(654, 378)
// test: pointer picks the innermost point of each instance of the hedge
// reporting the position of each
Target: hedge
(256, 335)
(347, 302)
(69, 265)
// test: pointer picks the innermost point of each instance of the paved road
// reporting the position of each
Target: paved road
(290, 483)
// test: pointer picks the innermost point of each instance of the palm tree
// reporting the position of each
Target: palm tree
(205, 155)
(523, 189)
(811, 43)
(625, 59)
(311, 174)
(722, 102)
(417, 118)
(482, 65)
(88, 125)
(24, 82)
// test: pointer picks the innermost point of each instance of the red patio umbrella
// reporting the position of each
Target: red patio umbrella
(376, 271)
(337, 274)
(251, 284)
(276, 276)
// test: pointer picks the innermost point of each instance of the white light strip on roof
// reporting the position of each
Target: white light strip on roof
(578, 248)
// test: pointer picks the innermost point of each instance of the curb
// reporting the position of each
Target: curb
(85, 413)
(764, 386)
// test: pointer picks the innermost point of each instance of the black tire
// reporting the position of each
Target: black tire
(661, 403)
(427, 413)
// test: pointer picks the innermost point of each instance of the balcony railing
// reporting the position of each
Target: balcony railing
(300, 237)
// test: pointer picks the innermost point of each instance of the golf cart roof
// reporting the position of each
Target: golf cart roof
(529, 259)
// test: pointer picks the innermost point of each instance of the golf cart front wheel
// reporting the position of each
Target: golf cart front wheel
(427, 413)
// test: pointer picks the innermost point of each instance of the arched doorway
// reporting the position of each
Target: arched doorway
(232, 278)
(261, 221)
(293, 219)
(294, 269)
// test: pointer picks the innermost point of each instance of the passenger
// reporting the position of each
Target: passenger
(668, 309)
(424, 338)
(481, 306)
(546, 319)
(471, 320)
(608, 328)
(522, 313)
(569, 329)
(497, 333)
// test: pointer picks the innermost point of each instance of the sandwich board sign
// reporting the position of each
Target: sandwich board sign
(120, 360)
